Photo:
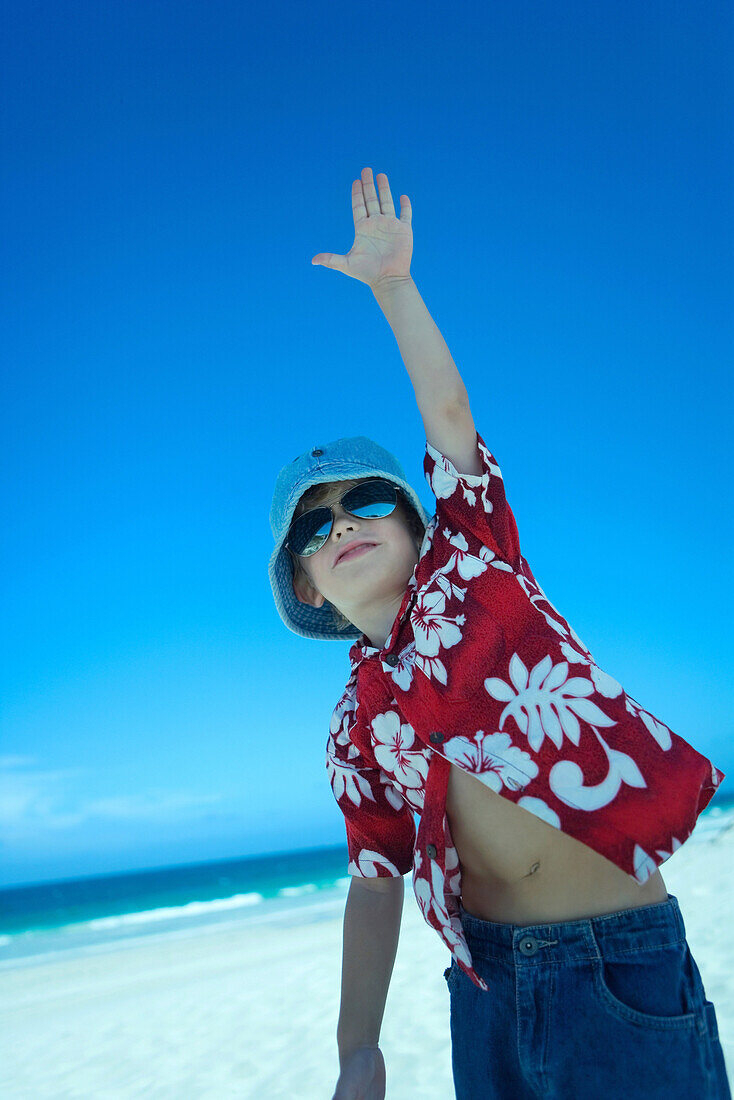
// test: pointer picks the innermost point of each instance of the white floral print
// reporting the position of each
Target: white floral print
(347, 782)
(492, 758)
(534, 717)
(367, 863)
(545, 702)
(433, 628)
(566, 780)
(394, 751)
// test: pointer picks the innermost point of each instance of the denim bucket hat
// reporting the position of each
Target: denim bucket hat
(342, 460)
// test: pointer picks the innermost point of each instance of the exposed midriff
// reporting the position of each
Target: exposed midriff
(518, 869)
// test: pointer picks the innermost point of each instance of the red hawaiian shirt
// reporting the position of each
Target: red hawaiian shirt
(480, 670)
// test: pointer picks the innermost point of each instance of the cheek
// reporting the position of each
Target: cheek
(312, 574)
(318, 572)
(305, 572)
(402, 536)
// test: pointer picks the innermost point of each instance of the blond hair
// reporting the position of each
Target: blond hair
(315, 495)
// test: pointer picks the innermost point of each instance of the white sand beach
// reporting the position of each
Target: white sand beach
(252, 1011)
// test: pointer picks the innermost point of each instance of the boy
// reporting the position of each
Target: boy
(548, 797)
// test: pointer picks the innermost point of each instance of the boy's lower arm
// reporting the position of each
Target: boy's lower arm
(436, 380)
(371, 933)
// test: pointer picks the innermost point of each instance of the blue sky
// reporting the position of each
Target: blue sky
(169, 170)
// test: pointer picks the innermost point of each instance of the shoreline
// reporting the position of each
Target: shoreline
(49, 944)
(250, 1008)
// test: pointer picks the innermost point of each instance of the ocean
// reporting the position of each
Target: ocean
(83, 913)
(86, 914)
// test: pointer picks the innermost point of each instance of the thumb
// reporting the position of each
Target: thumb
(329, 259)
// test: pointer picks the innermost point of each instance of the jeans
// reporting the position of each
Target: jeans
(606, 1008)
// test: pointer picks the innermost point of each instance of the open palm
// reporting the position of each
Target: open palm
(383, 244)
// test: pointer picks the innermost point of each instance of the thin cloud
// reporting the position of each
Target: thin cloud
(34, 802)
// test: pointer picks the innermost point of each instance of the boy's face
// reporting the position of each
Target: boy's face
(362, 581)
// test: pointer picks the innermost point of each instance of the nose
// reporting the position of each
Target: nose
(343, 521)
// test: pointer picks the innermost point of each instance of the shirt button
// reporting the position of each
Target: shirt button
(513, 784)
(436, 738)
(316, 453)
(391, 659)
(431, 849)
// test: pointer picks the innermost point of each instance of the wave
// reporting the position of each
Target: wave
(185, 911)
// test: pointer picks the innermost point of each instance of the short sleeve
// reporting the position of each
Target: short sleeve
(380, 825)
(474, 503)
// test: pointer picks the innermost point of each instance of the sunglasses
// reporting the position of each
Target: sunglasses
(372, 499)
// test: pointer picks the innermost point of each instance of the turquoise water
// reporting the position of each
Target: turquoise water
(81, 914)
(73, 913)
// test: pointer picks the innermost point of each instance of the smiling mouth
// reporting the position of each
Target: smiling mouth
(357, 552)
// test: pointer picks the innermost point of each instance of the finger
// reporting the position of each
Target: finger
(358, 208)
(330, 259)
(383, 187)
(370, 195)
(406, 210)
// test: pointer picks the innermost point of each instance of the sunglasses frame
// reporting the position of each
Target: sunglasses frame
(329, 508)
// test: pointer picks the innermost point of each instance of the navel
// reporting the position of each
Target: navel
(532, 870)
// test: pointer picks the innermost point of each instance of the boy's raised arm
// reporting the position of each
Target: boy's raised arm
(439, 391)
(380, 257)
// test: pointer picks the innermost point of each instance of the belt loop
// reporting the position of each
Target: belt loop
(597, 950)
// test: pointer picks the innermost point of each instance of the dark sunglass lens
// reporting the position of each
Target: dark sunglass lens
(310, 531)
(371, 499)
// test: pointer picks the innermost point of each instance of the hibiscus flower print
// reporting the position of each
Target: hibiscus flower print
(434, 629)
(467, 565)
(402, 673)
(413, 796)
(393, 746)
(545, 702)
(493, 759)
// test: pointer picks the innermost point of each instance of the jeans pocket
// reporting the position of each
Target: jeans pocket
(654, 988)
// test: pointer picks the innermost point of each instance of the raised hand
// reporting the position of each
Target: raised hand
(383, 244)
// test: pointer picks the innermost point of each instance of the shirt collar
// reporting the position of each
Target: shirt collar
(361, 650)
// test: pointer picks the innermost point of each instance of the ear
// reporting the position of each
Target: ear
(306, 592)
